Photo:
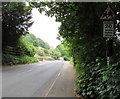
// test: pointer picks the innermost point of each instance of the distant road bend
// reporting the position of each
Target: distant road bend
(47, 79)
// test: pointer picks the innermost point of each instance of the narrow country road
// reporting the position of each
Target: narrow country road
(48, 79)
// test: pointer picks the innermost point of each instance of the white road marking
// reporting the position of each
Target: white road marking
(29, 70)
(53, 83)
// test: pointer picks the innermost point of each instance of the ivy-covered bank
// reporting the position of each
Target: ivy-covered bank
(83, 35)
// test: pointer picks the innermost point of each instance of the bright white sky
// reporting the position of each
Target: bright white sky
(45, 28)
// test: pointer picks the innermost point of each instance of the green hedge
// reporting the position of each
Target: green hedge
(8, 59)
(99, 82)
(66, 58)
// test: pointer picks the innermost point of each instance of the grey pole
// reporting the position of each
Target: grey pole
(108, 58)
(108, 61)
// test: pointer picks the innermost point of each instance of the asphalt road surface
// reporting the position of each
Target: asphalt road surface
(47, 79)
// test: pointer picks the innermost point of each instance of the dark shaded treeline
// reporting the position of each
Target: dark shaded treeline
(83, 34)
(18, 46)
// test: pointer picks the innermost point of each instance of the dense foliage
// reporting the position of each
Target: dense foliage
(37, 42)
(26, 48)
(16, 19)
(63, 51)
(13, 59)
(60, 48)
(22, 53)
(82, 31)
(16, 41)
(43, 48)
(15, 22)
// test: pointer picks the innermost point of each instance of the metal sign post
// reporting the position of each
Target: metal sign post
(108, 30)
(108, 61)
(108, 58)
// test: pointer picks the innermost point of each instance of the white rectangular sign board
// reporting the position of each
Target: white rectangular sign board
(108, 29)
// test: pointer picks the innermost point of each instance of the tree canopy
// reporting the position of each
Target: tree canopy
(37, 42)
(82, 31)
(60, 48)
(15, 22)
(16, 19)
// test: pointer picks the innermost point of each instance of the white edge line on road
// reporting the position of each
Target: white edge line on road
(53, 83)
(29, 70)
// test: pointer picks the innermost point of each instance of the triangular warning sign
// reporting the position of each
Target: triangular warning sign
(108, 14)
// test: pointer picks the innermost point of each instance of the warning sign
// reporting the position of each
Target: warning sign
(108, 14)
(108, 29)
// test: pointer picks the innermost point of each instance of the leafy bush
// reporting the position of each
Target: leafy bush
(66, 58)
(54, 54)
(8, 59)
(37, 42)
(71, 61)
(47, 52)
(30, 49)
(61, 49)
(110, 85)
(41, 53)
(26, 48)
(98, 82)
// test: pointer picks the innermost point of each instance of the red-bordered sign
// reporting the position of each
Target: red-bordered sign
(108, 14)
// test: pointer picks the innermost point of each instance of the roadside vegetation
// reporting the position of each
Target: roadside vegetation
(63, 52)
(18, 46)
(83, 36)
(16, 19)
(83, 40)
